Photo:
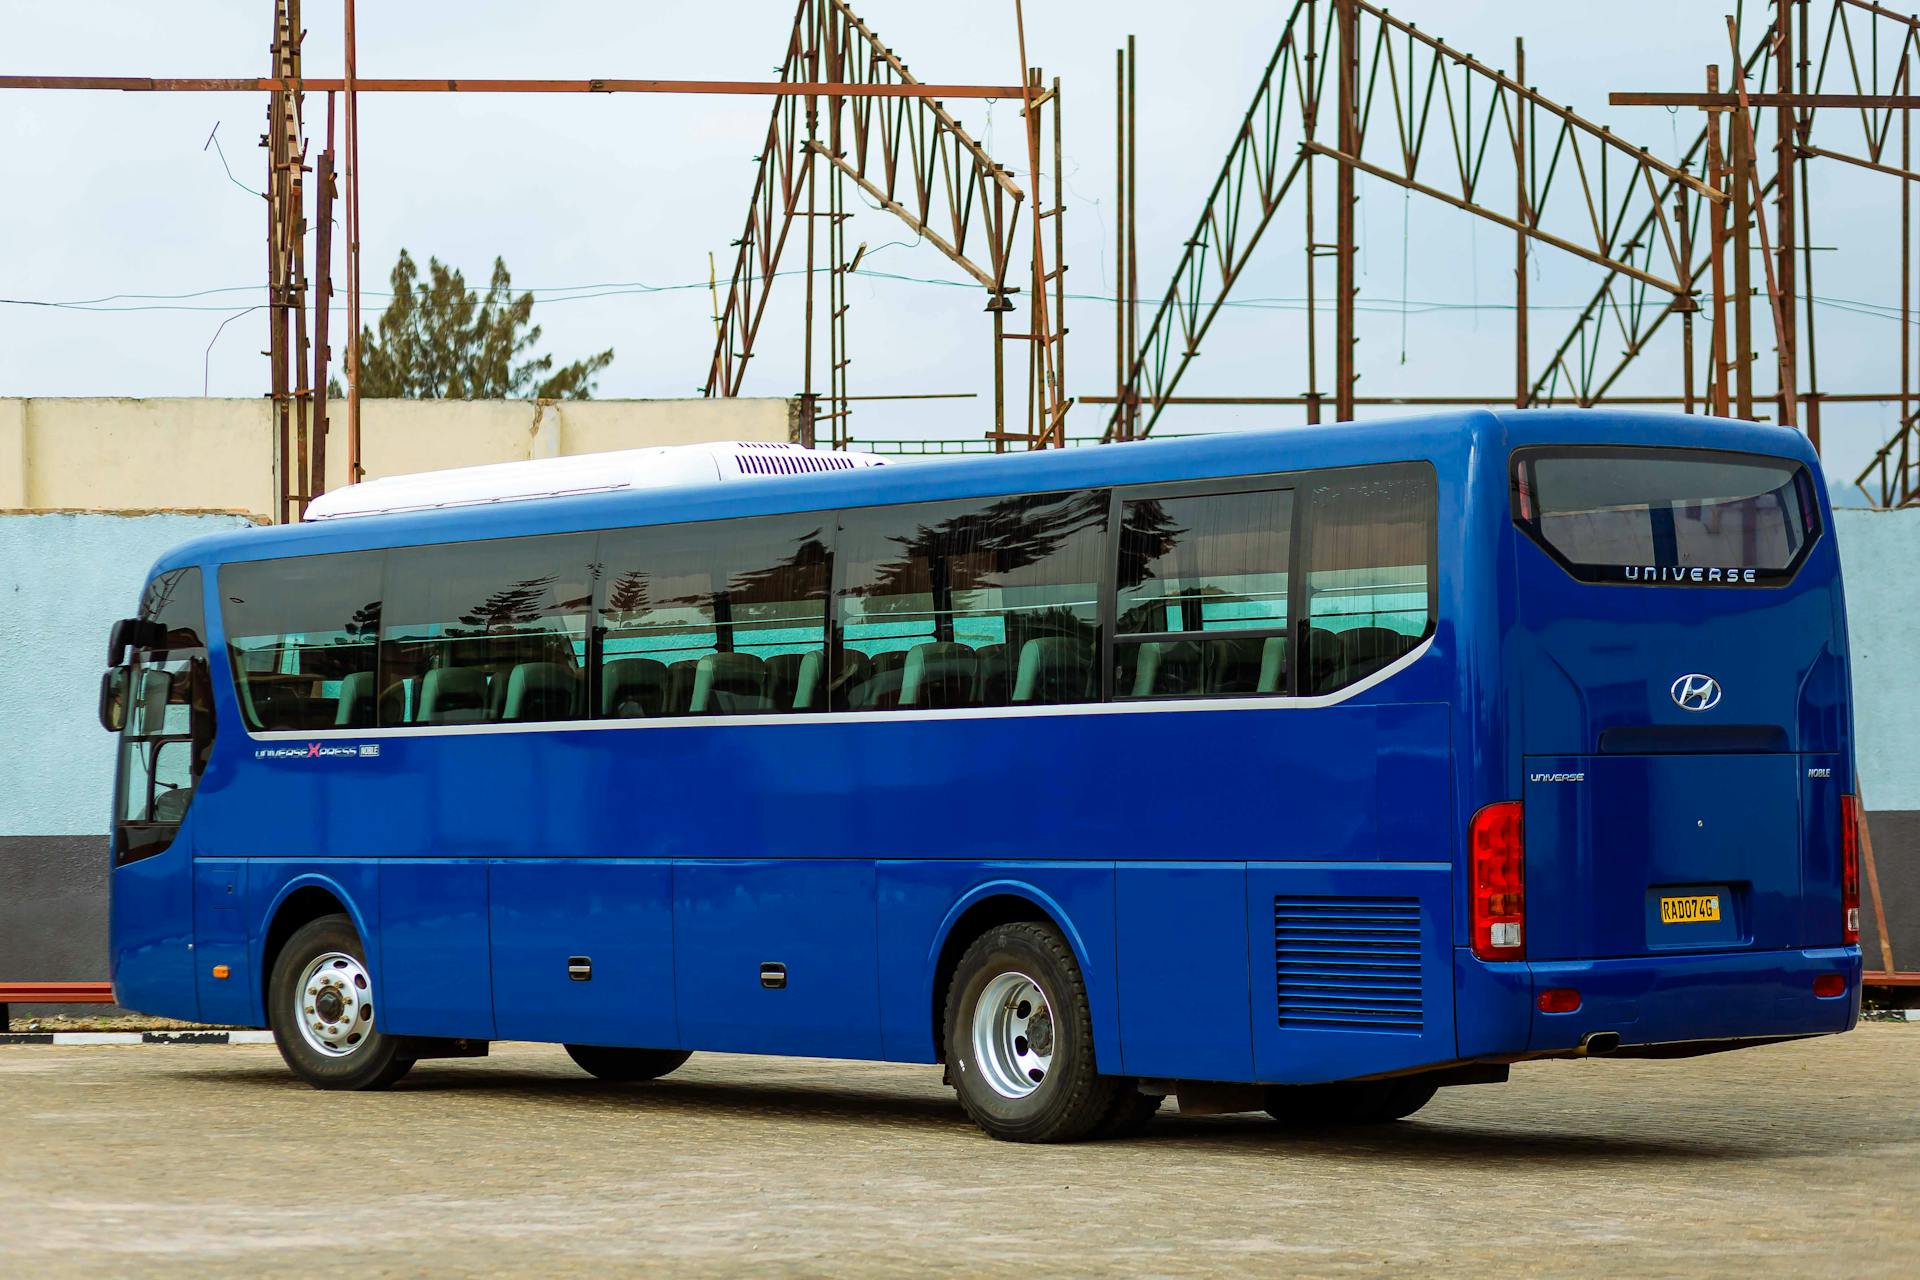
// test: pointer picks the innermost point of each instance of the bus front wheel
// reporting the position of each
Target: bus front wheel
(1019, 1041)
(1315, 1106)
(625, 1065)
(320, 1006)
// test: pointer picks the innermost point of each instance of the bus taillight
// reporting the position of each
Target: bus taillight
(1498, 857)
(1850, 869)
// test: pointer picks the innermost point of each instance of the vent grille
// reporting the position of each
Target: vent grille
(791, 464)
(1348, 964)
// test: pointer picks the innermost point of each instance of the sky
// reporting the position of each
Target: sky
(142, 209)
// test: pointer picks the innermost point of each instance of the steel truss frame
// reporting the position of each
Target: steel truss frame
(877, 97)
(910, 156)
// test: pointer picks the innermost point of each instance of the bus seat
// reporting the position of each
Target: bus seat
(1324, 661)
(540, 691)
(880, 690)
(1233, 665)
(355, 709)
(1052, 669)
(727, 684)
(990, 684)
(783, 679)
(855, 667)
(453, 695)
(938, 674)
(1273, 665)
(400, 701)
(633, 687)
(1364, 650)
(680, 686)
(808, 680)
(1166, 668)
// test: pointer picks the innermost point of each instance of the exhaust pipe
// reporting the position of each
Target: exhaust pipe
(1598, 1044)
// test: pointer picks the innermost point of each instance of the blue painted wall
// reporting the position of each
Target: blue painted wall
(64, 578)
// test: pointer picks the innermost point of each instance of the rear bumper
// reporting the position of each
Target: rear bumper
(1671, 999)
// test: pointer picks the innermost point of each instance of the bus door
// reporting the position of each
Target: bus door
(157, 696)
(1681, 703)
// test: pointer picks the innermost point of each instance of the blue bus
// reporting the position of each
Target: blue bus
(1305, 770)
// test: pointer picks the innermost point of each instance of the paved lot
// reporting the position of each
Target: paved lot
(1796, 1159)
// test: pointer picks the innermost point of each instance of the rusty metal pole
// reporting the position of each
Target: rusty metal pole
(1785, 230)
(1522, 381)
(1344, 286)
(1310, 110)
(1742, 162)
(351, 121)
(322, 302)
(1059, 263)
(1686, 314)
(1133, 230)
(1717, 250)
(1743, 213)
(1120, 353)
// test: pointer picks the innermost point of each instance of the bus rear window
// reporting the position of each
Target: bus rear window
(1673, 516)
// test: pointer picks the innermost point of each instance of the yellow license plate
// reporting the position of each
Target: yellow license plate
(1702, 910)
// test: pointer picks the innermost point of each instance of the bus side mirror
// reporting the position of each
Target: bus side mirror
(138, 633)
(113, 699)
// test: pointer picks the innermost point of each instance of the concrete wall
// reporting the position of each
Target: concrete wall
(63, 579)
(114, 454)
(1880, 554)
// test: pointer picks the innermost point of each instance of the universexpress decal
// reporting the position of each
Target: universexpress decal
(319, 751)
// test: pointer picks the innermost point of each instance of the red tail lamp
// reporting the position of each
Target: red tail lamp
(1829, 985)
(1498, 856)
(1559, 1000)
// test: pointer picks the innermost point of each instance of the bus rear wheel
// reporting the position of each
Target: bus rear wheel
(1320, 1106)
(625, 1065)
(320, 1006)
(1019, 1041)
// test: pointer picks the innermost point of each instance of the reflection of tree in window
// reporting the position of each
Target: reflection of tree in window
(507, 609)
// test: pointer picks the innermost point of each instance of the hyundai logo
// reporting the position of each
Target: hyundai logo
(1695, 692)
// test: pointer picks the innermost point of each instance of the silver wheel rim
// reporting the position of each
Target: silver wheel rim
(1013, 1035)
(334, 1004)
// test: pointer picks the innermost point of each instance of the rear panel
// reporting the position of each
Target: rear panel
(1681, 721)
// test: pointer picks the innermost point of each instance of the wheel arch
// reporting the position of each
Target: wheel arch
(298, 902)
(987, 905)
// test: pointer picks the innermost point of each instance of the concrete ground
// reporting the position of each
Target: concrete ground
(1794, 1160)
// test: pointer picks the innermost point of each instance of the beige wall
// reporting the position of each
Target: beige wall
(126, 455)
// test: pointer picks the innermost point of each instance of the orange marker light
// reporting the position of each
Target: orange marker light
(221, 971)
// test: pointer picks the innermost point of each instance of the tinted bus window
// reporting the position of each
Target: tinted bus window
(302, 635)
(726, 618)
(485, 631)
(1666, 515)
(1202, 607)
(1369, 572)
(979, 602)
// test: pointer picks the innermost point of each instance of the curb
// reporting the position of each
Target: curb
(135, 1037)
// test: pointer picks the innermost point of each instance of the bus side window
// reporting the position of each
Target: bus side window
(492, 632)
(977, 602)
(1369, 574)
(301, 638)
(719, 618)
(1202, 607)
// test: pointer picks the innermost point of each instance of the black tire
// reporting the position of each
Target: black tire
(1072, 1099)
(1351, 1102)
(625, 1065)
(374, 1060)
